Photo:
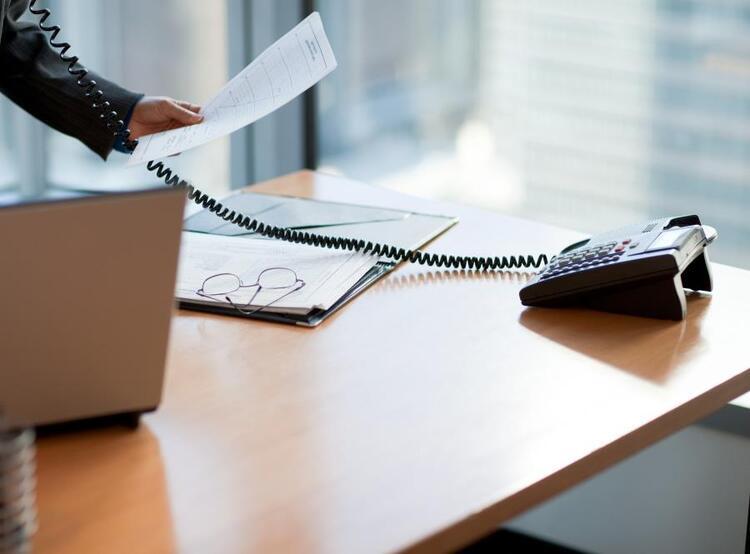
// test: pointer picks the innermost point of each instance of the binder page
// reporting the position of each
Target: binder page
(327, 274)
(289, 67)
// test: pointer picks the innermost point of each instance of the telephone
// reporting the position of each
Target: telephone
(638, 276)
(638, 270)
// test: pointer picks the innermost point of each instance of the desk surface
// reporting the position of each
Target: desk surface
(427, 412)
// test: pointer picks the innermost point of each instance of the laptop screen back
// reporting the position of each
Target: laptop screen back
(86, 290)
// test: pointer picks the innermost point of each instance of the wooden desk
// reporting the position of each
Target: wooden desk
(420, 417)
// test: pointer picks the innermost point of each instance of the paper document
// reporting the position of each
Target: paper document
(327, 274)
(289, 67)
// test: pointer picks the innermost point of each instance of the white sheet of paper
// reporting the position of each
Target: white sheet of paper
(327, 274)
(289, 67)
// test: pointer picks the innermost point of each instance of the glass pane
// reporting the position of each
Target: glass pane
(8, 175)
(585, 114)
(174, 48)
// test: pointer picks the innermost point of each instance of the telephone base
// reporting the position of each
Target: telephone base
(661, 297)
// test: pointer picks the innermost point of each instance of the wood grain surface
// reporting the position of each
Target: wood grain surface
(420, 417)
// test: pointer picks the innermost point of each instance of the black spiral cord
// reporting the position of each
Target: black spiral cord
(99, 103)
(112, 121)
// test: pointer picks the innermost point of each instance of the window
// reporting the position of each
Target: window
(175, 48)
(180, 48)
(584, 114)
(405, 85)
(8, 177)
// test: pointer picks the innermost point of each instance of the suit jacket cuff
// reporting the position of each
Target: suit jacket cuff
(100, 139)
(119, 145)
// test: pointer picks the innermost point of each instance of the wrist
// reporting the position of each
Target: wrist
(119, 144)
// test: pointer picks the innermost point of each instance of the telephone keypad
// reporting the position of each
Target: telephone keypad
(588, 258)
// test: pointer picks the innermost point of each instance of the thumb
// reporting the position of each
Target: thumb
(178, 113)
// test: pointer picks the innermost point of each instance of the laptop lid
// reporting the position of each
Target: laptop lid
(86, 290)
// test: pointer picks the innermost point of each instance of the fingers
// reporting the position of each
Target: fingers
(178, 112)
(195, 108)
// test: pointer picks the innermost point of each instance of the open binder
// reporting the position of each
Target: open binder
(410, 230)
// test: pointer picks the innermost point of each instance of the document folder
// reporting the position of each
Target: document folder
(410, 230)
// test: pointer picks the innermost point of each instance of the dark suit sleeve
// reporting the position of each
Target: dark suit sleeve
(33, 76)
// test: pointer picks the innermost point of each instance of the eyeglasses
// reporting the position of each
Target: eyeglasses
(218, 287)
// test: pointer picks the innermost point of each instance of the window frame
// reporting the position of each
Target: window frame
(284, 141)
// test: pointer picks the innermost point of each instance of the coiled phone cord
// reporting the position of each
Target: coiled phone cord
(113, 122)
(99, 103)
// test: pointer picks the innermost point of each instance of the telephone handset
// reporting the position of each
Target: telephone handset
(639, 270)
(113, 122)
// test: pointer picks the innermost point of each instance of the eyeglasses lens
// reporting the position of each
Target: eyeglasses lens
(221, 284)
(277, 278)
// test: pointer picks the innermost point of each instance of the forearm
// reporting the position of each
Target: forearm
(36, 79)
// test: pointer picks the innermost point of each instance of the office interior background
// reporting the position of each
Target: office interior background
(579, 113)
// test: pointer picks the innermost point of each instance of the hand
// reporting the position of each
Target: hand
(159, 113)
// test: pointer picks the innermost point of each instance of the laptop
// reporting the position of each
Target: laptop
(86, 296)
